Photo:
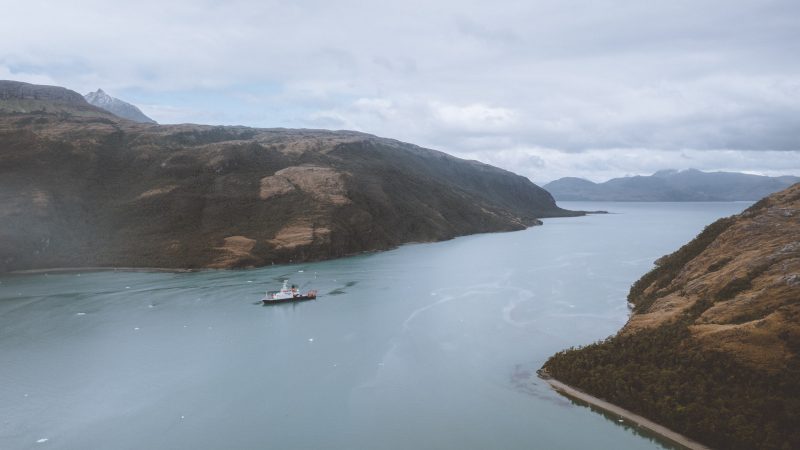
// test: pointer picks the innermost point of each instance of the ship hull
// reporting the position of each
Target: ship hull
(301, 298)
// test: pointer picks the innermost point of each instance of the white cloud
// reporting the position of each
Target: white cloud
(543, 165)
(474, 118)
(622, 84)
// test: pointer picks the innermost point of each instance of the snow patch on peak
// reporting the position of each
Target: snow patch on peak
(116, 106)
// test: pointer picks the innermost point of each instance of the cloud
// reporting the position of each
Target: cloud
(582, 79)
(474, 118)
(543, 165)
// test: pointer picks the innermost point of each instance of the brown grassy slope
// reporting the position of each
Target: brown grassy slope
(746, 281)
(712, 349)
(88, 191)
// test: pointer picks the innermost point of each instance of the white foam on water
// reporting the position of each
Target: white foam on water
(418, 311)
(80, 314)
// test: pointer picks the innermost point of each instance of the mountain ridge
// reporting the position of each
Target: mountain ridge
(671, 185)
(117, 107)
(17, 97)
(81, 190)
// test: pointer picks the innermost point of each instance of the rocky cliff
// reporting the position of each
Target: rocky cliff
(87, 189)
(712, 348)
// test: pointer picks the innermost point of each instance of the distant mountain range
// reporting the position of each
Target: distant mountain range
(688, 185)
(117, 107)
(81, 187)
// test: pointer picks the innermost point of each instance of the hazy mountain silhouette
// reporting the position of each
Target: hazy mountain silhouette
(671, 186)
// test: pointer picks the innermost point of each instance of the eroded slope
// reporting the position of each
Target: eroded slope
(88, 191)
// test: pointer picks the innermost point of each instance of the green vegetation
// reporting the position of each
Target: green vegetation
(734, 287)
(689, 385)
(705, 395)
(719, 264)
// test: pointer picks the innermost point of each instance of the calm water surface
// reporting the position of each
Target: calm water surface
(429, 346)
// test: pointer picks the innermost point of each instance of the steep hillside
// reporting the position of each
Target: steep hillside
(22, 98)
(712, 348)
(671, 186)
(80, 190)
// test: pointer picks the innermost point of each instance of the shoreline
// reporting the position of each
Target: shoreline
(99, 269)
(632, 417)
(54, 270)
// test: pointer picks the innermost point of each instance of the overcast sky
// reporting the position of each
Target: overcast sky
(546, 89)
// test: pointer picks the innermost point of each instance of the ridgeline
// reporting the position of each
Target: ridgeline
(80, 187)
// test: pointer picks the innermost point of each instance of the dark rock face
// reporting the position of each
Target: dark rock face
(671, 186)
(79, 191)
(117, 107)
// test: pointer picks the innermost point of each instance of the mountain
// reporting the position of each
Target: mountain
(117, 107)
(22, 98)
(95, 190)
(689, 185)
(712, 347)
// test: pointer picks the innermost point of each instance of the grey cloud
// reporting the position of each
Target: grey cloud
(639, 81)
(474, 29)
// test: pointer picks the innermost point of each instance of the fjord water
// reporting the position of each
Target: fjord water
(427, 346)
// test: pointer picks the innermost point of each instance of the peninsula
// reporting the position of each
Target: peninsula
(81, 187)
(712, 348)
